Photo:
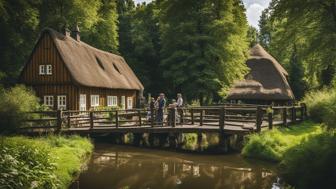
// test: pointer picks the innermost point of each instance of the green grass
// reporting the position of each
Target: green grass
(272, 145)
(44, 162)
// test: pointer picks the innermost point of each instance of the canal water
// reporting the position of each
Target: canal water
(124, 167)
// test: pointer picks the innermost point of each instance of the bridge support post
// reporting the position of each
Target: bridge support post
(192, 116)
(91, 120)
(152, 116)
(201, 117)
(172, 140)
(224, 142)
(199, 141)
(137, 138)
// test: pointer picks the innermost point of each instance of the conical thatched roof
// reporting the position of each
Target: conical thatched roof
(265, 81)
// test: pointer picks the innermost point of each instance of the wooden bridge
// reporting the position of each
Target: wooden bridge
(225, 119)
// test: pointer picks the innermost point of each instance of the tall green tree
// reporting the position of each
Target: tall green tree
(296, 75)
(311, 25)
(252, 36)
(203, 46)
(19, 22)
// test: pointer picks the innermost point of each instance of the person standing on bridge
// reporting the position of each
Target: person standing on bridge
(161, 105)
(179, 105)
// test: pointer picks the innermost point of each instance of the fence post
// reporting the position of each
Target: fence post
(270, 119)
(305, 115)
(259, 118)
(181, 112)
(284, 116)
(293, 110)
(173, 117)
(59, 120)
(91, 120)
(117, 119)
(69, 119)
(222, 119)
(192, 116)
(152, 116)
(139, 114)
(301, 112)
(201, 117)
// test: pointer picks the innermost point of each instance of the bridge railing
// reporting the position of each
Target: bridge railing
(250, 118)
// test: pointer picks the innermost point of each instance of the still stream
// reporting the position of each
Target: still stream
(125, 167)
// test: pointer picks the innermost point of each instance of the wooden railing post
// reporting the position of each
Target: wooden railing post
(270, 119)
(139, 114)
(180, 111)
(59, 120)
(201, 117)
(152, 116)
(222, 119)
(117, 119)
(301, 112)
(284, 116)
(293, 112)
(192, 116)
(259, 118)
(69, 119)
(91, 120)
(173, 117)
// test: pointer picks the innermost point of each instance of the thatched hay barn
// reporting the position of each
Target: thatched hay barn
(266, 82)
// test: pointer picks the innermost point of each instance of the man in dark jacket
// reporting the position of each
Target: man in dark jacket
(161, 105)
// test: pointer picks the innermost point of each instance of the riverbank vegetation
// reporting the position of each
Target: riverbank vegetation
(272, 145)
(43, 162)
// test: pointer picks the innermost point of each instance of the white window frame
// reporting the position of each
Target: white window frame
(129, 102)
(42, 69)
(61, 102)
(48, 100)
(48, 69)
(82, 102)
(94, 100)
(123, 102)
(112, 101)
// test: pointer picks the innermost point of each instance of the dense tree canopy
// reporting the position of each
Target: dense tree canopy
(310, 27)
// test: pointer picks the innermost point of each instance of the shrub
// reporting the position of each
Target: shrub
(312, 163)
(321, 106)
(271, 145)
(14, 102)
(26, 163)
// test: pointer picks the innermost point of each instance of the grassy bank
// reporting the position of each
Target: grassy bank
(46, 162)
(272, 145)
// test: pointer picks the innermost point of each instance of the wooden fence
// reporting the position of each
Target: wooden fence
(229, 116)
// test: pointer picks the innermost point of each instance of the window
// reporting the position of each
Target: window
(94, 100)
(49, 69)
(129, 103)
(42, 69)
(112, 101)
(45, 69)
(61, 102)
(123, 102)
(82, 102)
(49, 101)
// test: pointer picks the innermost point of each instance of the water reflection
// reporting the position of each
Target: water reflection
(127, 167)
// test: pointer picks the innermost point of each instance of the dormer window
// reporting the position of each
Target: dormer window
(45, 69)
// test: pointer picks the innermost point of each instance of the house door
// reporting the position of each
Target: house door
(123, 102)
(82, 102)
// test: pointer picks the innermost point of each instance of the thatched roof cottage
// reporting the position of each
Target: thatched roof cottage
(67, 73)
(265, 83)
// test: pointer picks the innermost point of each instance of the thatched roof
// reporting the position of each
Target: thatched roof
(93, 67)
(265, 81)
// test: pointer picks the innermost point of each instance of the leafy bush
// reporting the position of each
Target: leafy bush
(14, 102)
(321, 106)
(48, 162)
(271, 145)
(26, 163)
(312, 163)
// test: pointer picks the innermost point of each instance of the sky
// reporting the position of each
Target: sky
(253, 9)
